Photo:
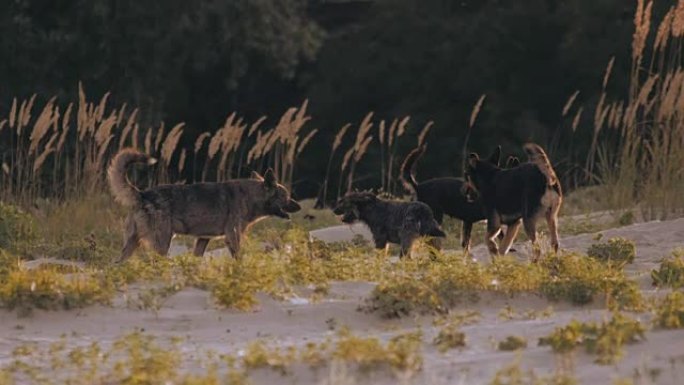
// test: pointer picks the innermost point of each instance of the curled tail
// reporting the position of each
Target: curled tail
(122, 189)
(406, 172)
(536, 155)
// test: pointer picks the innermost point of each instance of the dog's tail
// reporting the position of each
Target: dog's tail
(407, 170)
(122, 189)
(536, 155)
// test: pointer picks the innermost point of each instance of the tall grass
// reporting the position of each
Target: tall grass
(637, 143)
(57, 152)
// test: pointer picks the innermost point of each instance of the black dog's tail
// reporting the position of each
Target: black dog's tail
(407, 170)
(536, 155)
(122, 189)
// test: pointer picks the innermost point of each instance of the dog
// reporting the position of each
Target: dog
(389, 221)
(204, 210)
(520, 194)
(448, 195)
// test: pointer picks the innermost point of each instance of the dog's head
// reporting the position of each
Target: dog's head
(278, 201)
(478, 171)
(348, 206)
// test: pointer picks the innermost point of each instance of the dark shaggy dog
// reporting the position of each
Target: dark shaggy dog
(526, 192)
(204, 210)
(445, 195)
(389, 221)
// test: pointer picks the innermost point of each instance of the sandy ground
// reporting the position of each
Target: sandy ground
(189, 313)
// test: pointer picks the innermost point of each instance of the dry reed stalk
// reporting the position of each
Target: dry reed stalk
(128, 127)
(42, 125)
(423, 133)
(13, 113)
(569, 102)
(159, 136)
(255, 126)
(200, 141)
(171, 142)
(576, 119)
(476, 110)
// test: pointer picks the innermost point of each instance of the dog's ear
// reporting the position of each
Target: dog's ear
(512, 161)
(473, 158)
(270, 179)
(495, 158)
(256, 176)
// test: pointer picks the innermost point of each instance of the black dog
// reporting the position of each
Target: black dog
(389, 221)
(446, 195)
(525, 192)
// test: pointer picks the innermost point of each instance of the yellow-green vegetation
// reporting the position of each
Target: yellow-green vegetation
(618, 250)
(669, 313)
(17, 228)
(513, 374)
(605, 339)
(450, 280)
(138, 358)
(512, 343)
(671, 271)
(449, 337)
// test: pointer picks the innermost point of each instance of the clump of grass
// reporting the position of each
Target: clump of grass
(49, 289)
(513, 374)
(605, 339)
(580, 280)
(257, 356)
(17, 228)
(669, 313)
(512, 343)
(618, 250)
(449, 337)
(670, 272)
(401, 353)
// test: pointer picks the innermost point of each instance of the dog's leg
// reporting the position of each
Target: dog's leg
(531, 231)
(406, 244)
(465, 237)
(233, 242)
(552, 221)
(200, 246)
(493, 229)
(131, 239)
(511, 233)
(162, 242)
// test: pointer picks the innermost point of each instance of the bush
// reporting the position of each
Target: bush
(17, 228)
(619, 251)
(671, 271)
(579, 280)
(449, 337)
(513, 343)
(605, 339)
(670, 311)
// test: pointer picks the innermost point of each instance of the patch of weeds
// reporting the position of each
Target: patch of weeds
(618, 251)
(626, 218)
(257, 356)
(508, 313)
(468, 317)
(17, 229)
(449, 337)
(153, 298)
(512, 343)
(45, 288)
(605, 339)
(513, 374)
(669, 312)
(671, 271)
(579, 280)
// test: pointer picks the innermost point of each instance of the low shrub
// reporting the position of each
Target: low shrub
(669, 312)
(605, 339)
(670, 272)
(17, 228)
(618, 250)
(512, 343)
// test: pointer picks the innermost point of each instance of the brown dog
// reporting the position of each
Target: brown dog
(204, 210)
(525, 192)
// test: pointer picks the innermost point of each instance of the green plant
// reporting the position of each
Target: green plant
(670, 272)
(605, 339)
(669, 313)
(449, 337)
(619, 251)
(17, 228)
(513, 343)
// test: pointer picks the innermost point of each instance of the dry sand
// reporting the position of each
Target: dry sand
(190, 313)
